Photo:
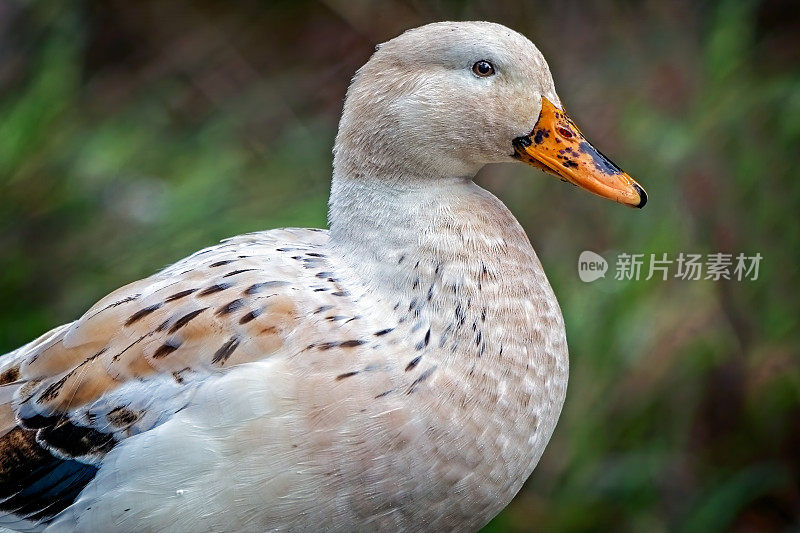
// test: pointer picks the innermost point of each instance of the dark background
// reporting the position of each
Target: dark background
(133, 133)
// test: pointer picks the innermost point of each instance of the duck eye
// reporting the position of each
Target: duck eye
(483, 69)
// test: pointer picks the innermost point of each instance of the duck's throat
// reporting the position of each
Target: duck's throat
(450, 259)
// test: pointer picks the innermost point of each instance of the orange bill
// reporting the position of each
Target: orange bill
(558, 147)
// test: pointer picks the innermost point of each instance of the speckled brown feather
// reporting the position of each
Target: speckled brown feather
(222, 307)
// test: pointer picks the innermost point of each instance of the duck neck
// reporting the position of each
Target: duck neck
(429, 248)
(379, 226)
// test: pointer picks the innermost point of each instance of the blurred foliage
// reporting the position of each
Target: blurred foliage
(133, 133)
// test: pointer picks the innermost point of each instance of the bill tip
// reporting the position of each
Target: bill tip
(642, 196)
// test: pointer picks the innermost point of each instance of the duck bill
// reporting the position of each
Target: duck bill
(558, 147)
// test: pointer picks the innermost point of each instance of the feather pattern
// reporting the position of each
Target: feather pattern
(402, 371)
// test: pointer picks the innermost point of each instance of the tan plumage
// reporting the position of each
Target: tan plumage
(403, 371)
(215, 302)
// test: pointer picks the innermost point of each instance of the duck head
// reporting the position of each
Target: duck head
(442, 100)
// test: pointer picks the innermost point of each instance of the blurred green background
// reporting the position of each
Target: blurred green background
(133, 133)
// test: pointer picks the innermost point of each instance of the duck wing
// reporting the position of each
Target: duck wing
(135, 358)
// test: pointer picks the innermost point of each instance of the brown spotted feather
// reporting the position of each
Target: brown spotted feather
(222, 307)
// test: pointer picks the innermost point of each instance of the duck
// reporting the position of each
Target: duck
(402, 370)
